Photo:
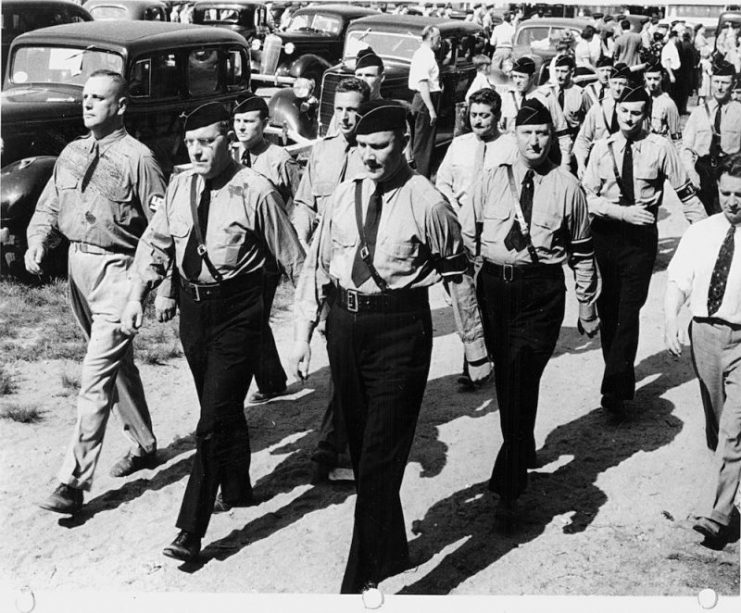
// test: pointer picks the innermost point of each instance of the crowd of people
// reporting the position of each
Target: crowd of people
(546, 176)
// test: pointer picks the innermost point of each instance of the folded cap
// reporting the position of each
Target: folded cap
(721, 68)
(367, 57)
(204, 115)
(566, 60)
(620, 71)
(532, 112)
(604, 61)
(380, 116)
(249, 103)
(636, 93)
(524, 65)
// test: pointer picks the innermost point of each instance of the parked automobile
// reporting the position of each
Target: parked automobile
(171, 68)
(137, 10)
(394, 38)
(249, 18)
(21, 16)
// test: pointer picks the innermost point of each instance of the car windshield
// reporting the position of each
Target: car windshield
(542, 37)
(15, 23)
(385, 44)
(225, 15)
(316, 22)
(106, 12)
(63, 65)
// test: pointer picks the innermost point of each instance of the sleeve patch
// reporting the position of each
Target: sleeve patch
(155, 202)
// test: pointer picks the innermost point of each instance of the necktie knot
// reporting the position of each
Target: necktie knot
(528, 176)
(246, 159)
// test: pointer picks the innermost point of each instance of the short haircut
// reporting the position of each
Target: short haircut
(625, 24)
(486, 96)
(354, 84)
(116, 77)
(731, 165)
(587, 32)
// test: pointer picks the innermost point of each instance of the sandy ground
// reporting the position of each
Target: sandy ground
(606, 514)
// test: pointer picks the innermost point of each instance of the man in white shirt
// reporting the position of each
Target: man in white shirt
(424, 80)
(502, 39)
(706, 268)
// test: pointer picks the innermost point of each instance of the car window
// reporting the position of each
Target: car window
(528, 36)
(103, 12)
(24, 21)
(237, 69)
(154, 14)
(221, 16)
(318, 22)
(385, 44)
(203, 72)
(65, 65)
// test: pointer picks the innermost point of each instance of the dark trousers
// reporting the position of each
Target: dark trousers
(423, 138)
(522, 320)
(270, 376)
(332, 432)
(708, 184)
(625, 255)
(221, 342)
(379, 363)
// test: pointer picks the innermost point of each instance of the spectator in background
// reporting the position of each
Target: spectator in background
(607, 38)
(649, 29)
(481, 80)
(706, 70)
(686, 73)
(587, 51)
(671, 63)
(701, 42)
(628, 46)
(502, 39)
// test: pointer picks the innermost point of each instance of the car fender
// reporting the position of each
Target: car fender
(310, 66)
(20, 188)
(286, 112)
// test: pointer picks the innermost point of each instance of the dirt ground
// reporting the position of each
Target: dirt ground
(606, 515)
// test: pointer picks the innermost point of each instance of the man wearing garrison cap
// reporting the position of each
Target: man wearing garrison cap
(599, 88)
(524, 88)
(249, 120)
(573, 100)
(526, 218)
(219, 225)
(664, 119)
(624, 182)
(713, 131)
(601, 120)
(386, 235)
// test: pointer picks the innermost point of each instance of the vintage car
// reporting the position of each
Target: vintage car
(311, 43)
(146, 10)
(21, 16)
(171, 68)
(394, 38)
(249, 18)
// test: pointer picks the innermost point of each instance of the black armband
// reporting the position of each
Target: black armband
(686, 192)
(452, 265)
(582, 248)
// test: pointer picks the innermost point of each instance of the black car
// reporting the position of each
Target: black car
(248, 18)
(171, 68)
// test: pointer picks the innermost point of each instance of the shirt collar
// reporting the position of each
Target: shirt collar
(109, 139)
(520, 169)
(619, 139)
(395, 181)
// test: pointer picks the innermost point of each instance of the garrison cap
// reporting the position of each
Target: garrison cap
(653, 66)
(367, 57)
(721, 68)
(736, 82)
(636, 93)
(249, 103)
(566, 60)
(525, 65)
(204, 115)
(532, 112)
(381, 115)
(620, 71)
(604, 60)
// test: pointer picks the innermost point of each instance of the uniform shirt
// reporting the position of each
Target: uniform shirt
(576, 104)
(559, 227)
(418, 237)
(654, 161)
(276, 165)
(665, 117)
(466, 157)
(593, 90)
(502, 36)
(424, 68)
(332, 160)
(692, 267)
(596, 125)
(245, 221)
(698, 132)
(113, 209)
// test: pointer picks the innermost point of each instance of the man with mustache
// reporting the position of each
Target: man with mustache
(526, 218)
(624, 182)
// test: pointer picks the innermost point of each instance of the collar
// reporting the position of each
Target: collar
(397, 180)
(220, 180)
(108, 140)
(259, 147)
(520, 169)
(619, 140)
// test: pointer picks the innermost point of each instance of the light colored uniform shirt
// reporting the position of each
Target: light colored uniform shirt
(596, 126)
(424, 68)
(576, 104)
(113, 209)
(332, 160)
(245, 221)
(466, 157)
(418, 243)
(654, 161)
(665, 117)
(692, 267)
(559, 227)
(276, 165)
(503, 36)
(698, 132)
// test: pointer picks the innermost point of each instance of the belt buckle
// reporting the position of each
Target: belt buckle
(201, 250)
(352, 300)
(508, 272)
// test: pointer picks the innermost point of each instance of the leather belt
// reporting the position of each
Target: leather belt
(95, 250)
(507, 272)
(213, 291)
(397, 301)
(716, 321)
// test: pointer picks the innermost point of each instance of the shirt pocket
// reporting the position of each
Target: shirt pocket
(233, 244)
(121, 196)
(546, 230)
(66, 180)
(399, 256)
(323, 189)
(646, 182)
(179, 227)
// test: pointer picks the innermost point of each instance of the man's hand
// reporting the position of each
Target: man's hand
(132, 317)
(638, 215)
(433, 117)
(33, 258)
(588, 322)
(479, 373)
(580, 170)
(300, 359)
(164, 308)
(694, 177)
(671, 337)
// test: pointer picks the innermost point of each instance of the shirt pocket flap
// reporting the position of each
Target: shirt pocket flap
(646, 173)
(323, 188)
(179, 227)
(401, 250)
(66, 180)
(492, 211)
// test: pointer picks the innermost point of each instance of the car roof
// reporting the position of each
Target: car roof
(346, 10)
(416, 23)
(135, 36)
(142, 3)
(38, 3)
(227, 3)
(578, 23)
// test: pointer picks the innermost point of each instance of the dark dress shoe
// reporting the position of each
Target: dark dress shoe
(708, 528)
(259, 397)
(131, 463)
(64, 499)
(613, 404)
(185, 547)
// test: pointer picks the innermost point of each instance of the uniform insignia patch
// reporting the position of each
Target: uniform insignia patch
(155, 202)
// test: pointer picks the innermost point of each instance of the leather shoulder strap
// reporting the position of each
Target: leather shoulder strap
(521, 221)
(365, 253)
(200, 244)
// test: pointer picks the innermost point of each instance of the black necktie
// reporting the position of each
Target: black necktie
(601, 93)
(515, 239)
(628, 192)
(203, 207)
(614, 123)
(560, 98)
(192, 261)
(715, 148)
(719, 278)
(360, 271)
(343, 170)
(246, 160)
(93, 158)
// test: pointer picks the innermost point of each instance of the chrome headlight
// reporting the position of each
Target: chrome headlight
(256, 44)
(290, 48)
(303, 87)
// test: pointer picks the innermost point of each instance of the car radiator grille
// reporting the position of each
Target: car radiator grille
(326, 104)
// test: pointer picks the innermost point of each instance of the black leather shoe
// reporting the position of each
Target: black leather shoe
(259, 397)
(613, 404)
(64, 499)
(131, 463)
(185, 547)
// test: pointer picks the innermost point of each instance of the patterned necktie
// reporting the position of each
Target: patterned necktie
(92, 164)
(515, 239)
(360, 271)
(246, 159)
(719, 278)
(561, 98)
(627, 174)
